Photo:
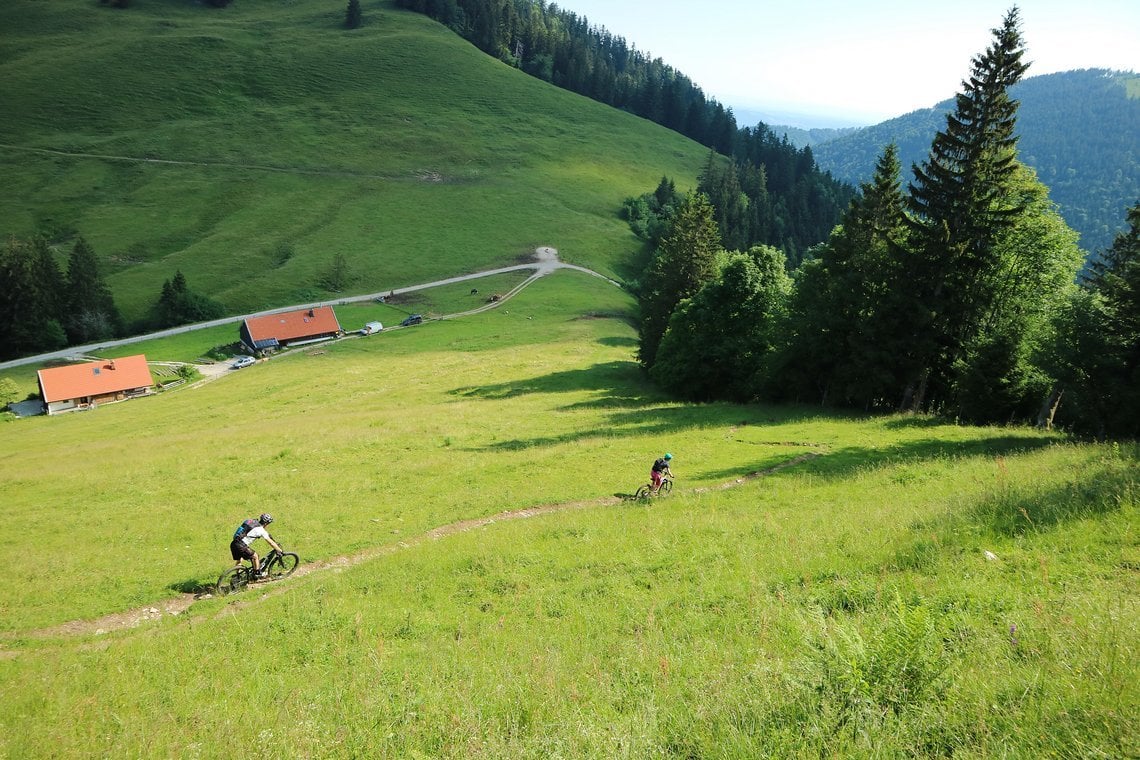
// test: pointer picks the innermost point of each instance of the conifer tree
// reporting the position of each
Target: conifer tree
(30, 289)
(178, 305)
(1103, 342)
(353, 16)
(850, 314)
(90, 312)
(960, 202)
(682, 263)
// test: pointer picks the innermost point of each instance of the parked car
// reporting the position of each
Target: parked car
(242, 361)
(412, 319)
(371, 327)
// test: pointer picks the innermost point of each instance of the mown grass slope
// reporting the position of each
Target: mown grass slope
(249, 146)
(842, 606)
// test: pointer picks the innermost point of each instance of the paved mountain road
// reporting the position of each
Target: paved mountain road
(545, 262)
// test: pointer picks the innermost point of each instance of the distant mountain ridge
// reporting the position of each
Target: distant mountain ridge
(1080, 131)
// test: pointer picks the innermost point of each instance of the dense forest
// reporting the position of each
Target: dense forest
(957, 295)
(790, 203)
(1077, 129)
(47, 308)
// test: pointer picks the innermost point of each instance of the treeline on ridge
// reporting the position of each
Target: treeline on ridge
(1077, 130)
(780, 197)
(957, 296)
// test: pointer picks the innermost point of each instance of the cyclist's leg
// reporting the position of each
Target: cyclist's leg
(239, 551)
(655, 477)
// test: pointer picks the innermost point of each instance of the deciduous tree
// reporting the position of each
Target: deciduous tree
(717, 341)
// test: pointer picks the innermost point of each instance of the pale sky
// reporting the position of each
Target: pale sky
(856, 62)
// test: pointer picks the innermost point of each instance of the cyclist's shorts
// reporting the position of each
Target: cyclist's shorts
(655, 476)
(239, 550)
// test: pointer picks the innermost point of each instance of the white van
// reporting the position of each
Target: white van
(371, 327)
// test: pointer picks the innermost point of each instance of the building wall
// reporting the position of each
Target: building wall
(76, 404)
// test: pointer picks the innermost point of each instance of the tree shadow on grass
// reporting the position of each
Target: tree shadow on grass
(193, 586)
(636, 408)
(619, 342)
(1019, 511)
(842, 461)
(616, 378)
(913, 421)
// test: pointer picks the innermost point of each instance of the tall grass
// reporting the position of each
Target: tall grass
(845, 606)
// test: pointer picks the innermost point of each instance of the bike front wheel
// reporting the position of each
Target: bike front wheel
(283, 565)
(666, 485)
(232, 581)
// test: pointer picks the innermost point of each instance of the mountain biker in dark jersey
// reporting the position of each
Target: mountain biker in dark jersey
(248, 532)
(660, 470)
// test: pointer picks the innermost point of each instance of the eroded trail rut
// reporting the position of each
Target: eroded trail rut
(133, 618)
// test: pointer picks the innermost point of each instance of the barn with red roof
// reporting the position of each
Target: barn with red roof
(274, 331)
(83, 386)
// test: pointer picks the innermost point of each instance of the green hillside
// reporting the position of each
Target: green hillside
(248, 146)
(815, 585)
(1077, 130)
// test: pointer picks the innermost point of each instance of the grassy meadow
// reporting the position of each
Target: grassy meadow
(476, 583)
(249, 146)
(844, 605)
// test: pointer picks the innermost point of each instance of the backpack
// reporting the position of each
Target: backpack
(246, 527)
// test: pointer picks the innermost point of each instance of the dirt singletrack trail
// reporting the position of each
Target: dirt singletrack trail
(176, 606)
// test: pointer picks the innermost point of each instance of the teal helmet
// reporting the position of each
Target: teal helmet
(668, 456)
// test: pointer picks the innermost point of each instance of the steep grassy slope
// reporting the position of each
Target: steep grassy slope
(293, 140)
(841, 606)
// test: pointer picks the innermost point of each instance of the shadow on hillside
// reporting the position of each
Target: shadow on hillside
(615, 377)
(844, 460)
(618, 342)
(913, 421)
(1017, 511)
(633, 407)
(193, 586)
(841, 462)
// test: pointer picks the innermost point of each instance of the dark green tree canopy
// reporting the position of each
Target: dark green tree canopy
(683, 262)
(90, 313)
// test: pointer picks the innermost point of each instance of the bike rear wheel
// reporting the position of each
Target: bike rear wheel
(283, 565)
(644, 492)
(232, 581)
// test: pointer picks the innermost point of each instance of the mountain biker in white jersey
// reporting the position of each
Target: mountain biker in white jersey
(246, 533)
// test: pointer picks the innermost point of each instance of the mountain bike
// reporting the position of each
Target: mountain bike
(276, 565)
(646, 490)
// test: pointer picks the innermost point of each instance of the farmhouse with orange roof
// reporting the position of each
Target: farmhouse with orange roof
(83, 386)
(273, 331)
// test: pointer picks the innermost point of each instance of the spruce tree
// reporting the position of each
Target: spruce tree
(30, 299)
(90, 312)
(1116, 282)
(682, 263)
(353, 16)
(850, 310)
(960, 202)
